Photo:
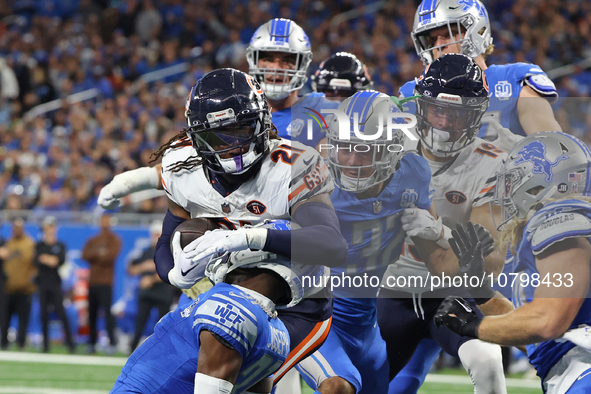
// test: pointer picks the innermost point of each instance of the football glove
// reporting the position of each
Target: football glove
(459, 316)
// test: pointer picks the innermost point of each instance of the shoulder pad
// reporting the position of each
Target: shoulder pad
(559, 227)
(418, 164)
(542, 85)
(228, 318)
(309, 174)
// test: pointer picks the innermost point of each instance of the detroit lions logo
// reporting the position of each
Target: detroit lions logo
(535, 153)
(467, 4)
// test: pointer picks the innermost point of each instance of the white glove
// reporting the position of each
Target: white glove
(185, 272)
(580, 336)
(232, 241)
(126, 183)
(420, 223)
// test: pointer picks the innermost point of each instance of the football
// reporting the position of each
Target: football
(192, 229)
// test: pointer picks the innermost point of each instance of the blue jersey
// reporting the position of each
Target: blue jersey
(303, 121)
(505, 83)
(167, 361)
(553, 223)
(373, 230)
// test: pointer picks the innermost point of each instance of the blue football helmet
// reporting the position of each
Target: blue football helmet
(228, 121)
(453, 96)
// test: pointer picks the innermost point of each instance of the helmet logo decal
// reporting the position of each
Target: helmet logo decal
(254, 85)
(535, 153)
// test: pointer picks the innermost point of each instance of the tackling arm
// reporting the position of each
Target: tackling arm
(553, 309)
(535, 112)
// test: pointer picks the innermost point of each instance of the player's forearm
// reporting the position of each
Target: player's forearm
(535, 115)
(498, 305)
(163, 256)
(438, 260)
(523, 326)
(494, 263)
(318, 242)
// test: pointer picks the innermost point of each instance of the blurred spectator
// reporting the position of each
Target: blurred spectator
(153, 293)
(101, 252)
(3, 296)
(53, 52)
(20, 272)
(50, 254)
(148, 22)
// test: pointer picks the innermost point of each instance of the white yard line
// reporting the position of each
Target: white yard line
(62, 359)
(454, 379)
(45, 390)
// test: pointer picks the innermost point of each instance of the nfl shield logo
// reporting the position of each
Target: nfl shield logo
(377, 207)
(226, 208)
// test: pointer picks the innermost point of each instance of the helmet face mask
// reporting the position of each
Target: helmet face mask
(288, 74)
(468, 18)
(446, 129)
(228, 121)
(358, 164)
(453, 97)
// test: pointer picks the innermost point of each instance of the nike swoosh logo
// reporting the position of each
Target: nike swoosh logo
(185, 273)
(454, 8)
(306, 162)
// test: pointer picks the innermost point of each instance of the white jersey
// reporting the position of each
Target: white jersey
(467, 182)
(289, 174)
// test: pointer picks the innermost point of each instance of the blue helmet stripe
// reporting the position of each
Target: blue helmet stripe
(272, 29)
(361, 104)
(280, 30)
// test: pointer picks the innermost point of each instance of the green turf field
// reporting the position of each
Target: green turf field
(36, 373)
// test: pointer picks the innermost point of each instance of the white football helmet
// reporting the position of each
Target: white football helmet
(542, 166)
(280, 35)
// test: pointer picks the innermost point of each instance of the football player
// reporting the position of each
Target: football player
(341, 75)
(279, 55)
(375, 182)
(225, 341)
(519, 105)
(452, 98)
(228, 165)
(549, 227)
(519, 91)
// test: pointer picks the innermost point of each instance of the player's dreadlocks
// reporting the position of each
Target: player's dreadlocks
(181, 140)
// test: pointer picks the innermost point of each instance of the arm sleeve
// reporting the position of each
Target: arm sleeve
(318, 242)
(163, 255)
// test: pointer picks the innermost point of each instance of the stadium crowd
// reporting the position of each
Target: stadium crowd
(59, 160)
